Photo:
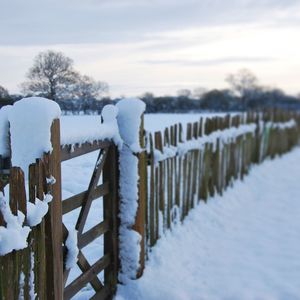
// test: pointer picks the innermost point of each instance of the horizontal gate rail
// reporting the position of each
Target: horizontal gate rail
(93, 233)
(76, 201)
(75, 150)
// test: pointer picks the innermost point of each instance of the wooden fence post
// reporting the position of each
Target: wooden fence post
(53, 221)
(111, 212)
(139, 225)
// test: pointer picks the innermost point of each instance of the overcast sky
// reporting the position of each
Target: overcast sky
(155, 45)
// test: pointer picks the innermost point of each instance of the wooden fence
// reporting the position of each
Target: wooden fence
(174, 177)
(176, 183)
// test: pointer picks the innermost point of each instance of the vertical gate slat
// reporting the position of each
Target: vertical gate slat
(17, 196)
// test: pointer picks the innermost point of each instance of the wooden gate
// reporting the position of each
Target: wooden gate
(106, 166)
(42, 265)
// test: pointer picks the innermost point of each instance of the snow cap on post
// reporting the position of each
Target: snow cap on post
(129, 120)
(109, 115)
(30, 129)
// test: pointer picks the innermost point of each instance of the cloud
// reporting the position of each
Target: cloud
(210, 62)
(65, 21)
(135, 44)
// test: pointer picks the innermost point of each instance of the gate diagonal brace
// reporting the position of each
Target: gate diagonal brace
(93, 184)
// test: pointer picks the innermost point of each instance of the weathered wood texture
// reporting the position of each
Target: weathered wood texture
(27, 265)
(53, 220)
(140, 219)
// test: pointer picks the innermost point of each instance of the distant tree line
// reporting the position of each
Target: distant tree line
(53, 76)
(221, 100)
(5, 98)
(245, 93)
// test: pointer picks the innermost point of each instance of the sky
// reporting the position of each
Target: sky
(157, 46)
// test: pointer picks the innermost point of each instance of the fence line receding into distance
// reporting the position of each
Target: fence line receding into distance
(179, 167)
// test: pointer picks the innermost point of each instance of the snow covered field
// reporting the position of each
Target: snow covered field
(156, 122)
(72, 125)
(244, 245)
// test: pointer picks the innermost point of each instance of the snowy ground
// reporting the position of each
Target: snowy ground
(156, 122)
(244, 245)
(78, 125)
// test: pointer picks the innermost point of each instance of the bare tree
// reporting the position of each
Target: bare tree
(3, 93)
(244, 82)
(86, 88)
(50, 74)
(199, 92)
(186, 93)
(147, 96)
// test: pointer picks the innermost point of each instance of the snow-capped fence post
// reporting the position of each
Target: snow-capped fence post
(133, 189)
(53, 221)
